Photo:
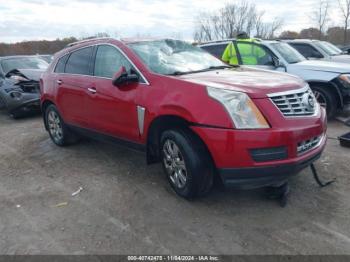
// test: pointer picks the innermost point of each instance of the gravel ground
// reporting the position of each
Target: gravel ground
(127, 207)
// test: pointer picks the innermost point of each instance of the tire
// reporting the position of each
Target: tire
(186, 163)
(16, 115)
(59, 133)
(327, 99)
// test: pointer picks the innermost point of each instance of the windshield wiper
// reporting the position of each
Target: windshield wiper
(178, 73)
(221, 67)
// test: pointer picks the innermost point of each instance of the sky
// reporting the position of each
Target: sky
(50, 19)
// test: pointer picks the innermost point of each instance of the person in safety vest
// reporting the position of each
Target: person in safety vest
(250, 54)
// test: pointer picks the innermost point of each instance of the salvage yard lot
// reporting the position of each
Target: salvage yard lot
(127, 207)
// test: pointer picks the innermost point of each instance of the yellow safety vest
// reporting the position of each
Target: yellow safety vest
(249, 54)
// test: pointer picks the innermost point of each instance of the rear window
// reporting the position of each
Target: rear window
(29, 62)
(215, 50)
(79, 62)
(61, 64)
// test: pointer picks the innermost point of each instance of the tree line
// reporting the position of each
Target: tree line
(41, 47)
(35, 47)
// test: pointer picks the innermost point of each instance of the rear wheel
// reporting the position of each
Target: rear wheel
(187, 164)
(58, 130)
(327, 99)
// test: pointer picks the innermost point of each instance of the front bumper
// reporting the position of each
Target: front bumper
(232, 151)
(256, 177)
(25, 103)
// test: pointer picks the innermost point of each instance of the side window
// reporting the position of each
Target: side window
(252, 54)
(108, 61)
(307, 51)
(79, 62)
(61, 64)
(215, 50)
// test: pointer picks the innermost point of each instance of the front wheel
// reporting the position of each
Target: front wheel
(327, 99)
(187, 164)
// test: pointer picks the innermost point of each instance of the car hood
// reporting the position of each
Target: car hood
(341, 58)
(30, 74)
(256, 83)
(324, 66)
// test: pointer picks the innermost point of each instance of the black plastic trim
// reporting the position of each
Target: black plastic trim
(248, 178)
(269, 154)
(107, 138)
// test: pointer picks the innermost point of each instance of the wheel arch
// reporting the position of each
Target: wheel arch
(44, 105)
(158, 126)
(331, 86)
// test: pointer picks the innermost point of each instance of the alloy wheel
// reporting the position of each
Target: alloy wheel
(174, 164)
(55, 126)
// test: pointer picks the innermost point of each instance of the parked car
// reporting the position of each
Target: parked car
(19, 84)
(186, 109)
(315, 49)
(329, 81)
(345, 49)
(47, 58)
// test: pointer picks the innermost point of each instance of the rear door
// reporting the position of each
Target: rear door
(73, 86)
(307, 50)
(113, 110)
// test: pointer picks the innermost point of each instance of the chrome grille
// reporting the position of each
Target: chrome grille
(308, 145)
(300, 102)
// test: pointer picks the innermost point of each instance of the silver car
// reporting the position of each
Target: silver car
(19, 84)
(322, 50)
(329, 81)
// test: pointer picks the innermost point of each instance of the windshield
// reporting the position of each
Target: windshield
(169, 57)
(23, 63)
(329, 48)
(289, 54)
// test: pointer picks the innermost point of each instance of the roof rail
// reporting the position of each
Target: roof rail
(87, 40)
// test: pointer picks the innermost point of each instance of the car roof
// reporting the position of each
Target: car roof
(123, 40)
(301, 40)
(215, 42)
(227, 41)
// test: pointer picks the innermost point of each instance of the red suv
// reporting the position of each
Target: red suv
(186, 109)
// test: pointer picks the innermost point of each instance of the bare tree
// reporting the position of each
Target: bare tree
(321, 16)
(231, 19)
(267, 30)
(344, 6)
(204, 31)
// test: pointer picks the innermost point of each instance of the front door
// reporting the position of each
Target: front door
(113, 110)
(252, 54)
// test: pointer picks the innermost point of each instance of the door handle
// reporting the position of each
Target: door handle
(59, 82)
(92, 90)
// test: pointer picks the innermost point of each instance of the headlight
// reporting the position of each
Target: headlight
(345, 80)
(243, 111)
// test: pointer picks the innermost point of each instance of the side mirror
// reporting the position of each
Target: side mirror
(278, 65)
(122, 77)
(276, 62)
